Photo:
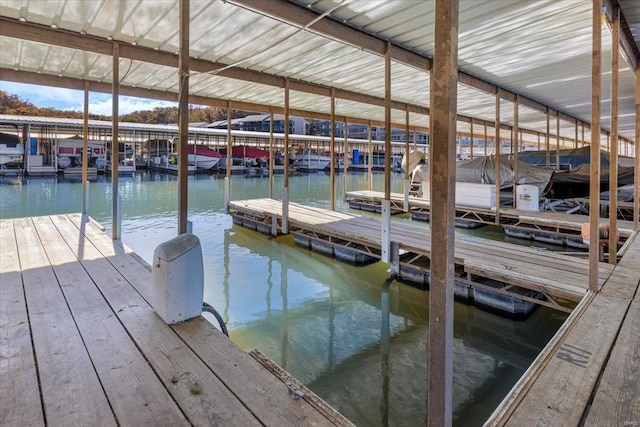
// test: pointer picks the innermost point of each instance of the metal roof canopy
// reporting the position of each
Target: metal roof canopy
(243, 50)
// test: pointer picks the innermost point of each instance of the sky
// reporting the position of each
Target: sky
(69, 99)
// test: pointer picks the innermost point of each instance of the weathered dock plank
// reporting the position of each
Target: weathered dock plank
(19, 378)
(266, 395)
(71, 391)
(617, 400)
(194, 387)
(134, 391)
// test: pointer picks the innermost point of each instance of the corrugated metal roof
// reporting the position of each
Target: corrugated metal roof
(540, 49)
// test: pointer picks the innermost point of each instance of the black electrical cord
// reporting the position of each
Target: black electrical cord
(209, 309)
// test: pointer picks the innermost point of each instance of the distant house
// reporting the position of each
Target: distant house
(261, 123)
(198, 124)
(302, 126)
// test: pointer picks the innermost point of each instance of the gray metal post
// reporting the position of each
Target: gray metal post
(285, 210)
(385, 255)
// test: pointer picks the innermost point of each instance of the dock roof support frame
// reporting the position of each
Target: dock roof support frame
(497, 148)
(229, 160)
(183, 117)
(547, 139)
(516, 149)
(385, 239)
(442, 165)
(332, 150)
(558, 141)
(636, 190)
(613, 163)
(271, 155)
(594, 185)
(85, 152)
(115, 90)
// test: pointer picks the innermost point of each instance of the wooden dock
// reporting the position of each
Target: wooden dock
(559, 224)
(82, 346)
(589, 373)
(554, 274)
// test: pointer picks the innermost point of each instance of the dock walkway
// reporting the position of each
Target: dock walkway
(589, 373)
(552, 273)
(557, 223)
(82, 346)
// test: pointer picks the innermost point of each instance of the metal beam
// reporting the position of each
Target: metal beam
(442, 167)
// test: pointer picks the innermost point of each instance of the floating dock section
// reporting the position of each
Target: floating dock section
(545, 226)
(512, 271)
(81, 345)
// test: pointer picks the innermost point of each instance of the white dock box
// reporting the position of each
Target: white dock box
(528, 197)
(178, 279)
(469, 194)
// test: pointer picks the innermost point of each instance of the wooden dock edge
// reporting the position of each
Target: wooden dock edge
(520, 389)
(625, 273)
(627, 244)
(310, 397)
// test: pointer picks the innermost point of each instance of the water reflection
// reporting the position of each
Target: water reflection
(355, 340)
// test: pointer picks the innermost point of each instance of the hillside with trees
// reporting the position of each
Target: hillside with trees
(14, 105)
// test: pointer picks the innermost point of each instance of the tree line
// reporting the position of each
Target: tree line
(14, 105)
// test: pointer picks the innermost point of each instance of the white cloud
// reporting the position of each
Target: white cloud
(70, 99)
(127, 105)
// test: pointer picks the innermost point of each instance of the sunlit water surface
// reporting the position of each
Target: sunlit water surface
(320, 319)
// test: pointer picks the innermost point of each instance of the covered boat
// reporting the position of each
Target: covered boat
(575, 183)
(246, 152)
(569, 158)
(481, 170)
(202, 156)
(11, 149)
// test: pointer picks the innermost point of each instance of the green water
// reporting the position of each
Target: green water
(320, 319)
